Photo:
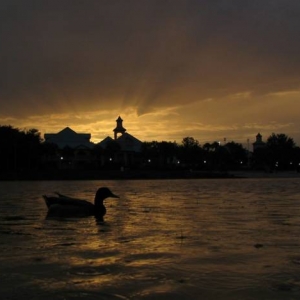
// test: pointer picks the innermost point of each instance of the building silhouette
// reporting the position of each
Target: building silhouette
(69, 138)
(72, 150)
(75, 150)
(127, 147)
(119, 128)
(258, 144)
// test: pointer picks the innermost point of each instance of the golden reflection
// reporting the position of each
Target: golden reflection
(160, 238)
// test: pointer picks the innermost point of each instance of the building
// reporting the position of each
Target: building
(124, 149)
(119, 128)
(72, 150)
(69, 138)
(258, 144)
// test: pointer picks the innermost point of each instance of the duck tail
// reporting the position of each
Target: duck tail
(61, 195)
(46, 200)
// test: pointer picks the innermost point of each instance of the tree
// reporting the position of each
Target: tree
(33, 149)
(213, 155)
(19, 150)
(281, 149)
(190, 142)
(159, 154)
(280, 141)
(237, 153)
(191, 152)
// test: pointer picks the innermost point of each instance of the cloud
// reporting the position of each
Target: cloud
(75, 55)
(218, 63)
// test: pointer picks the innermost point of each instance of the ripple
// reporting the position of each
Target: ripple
(285, 286)
(90, 271)
(93, 295)
(13, 232)
(14, 218)
(66, 244)
(167, 240)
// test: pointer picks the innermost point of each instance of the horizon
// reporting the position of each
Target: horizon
(247, 144)
(170, 69)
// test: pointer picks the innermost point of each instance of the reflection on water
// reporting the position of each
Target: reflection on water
(168, 239)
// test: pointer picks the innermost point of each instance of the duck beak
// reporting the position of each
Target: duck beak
(114, 196)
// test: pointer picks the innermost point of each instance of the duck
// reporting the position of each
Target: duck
(62, 206)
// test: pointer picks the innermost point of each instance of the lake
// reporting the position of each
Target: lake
(162, 239)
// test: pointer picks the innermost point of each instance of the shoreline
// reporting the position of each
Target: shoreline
(141, 175)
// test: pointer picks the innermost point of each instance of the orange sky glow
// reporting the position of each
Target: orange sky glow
(170, 69)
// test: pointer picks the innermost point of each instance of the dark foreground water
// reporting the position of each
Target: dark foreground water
(177, 239)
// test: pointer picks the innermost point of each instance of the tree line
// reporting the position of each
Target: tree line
(25, 150)
(278, 153)
(19, 149)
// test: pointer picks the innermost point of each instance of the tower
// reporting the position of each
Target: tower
(258, 138)
(259, 142)
(119, 128)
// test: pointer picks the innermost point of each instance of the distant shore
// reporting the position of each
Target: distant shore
(141, 174)
(262, 174)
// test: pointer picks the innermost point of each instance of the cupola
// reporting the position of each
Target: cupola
(119, 128)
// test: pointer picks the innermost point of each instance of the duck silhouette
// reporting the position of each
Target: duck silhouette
(61, 206)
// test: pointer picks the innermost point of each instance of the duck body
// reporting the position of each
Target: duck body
(62, 206)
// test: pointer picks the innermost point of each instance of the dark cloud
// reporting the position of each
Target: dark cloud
(84, 55)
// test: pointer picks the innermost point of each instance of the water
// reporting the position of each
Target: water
(163, 239)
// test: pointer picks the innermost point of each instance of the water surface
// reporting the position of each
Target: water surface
(163, 239)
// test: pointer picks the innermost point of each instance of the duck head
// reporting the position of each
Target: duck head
(102, 194)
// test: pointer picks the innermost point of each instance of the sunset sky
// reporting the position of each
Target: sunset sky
(210, 69)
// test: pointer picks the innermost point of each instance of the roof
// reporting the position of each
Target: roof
(129, 143)
(69, 138)
(105, 142)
